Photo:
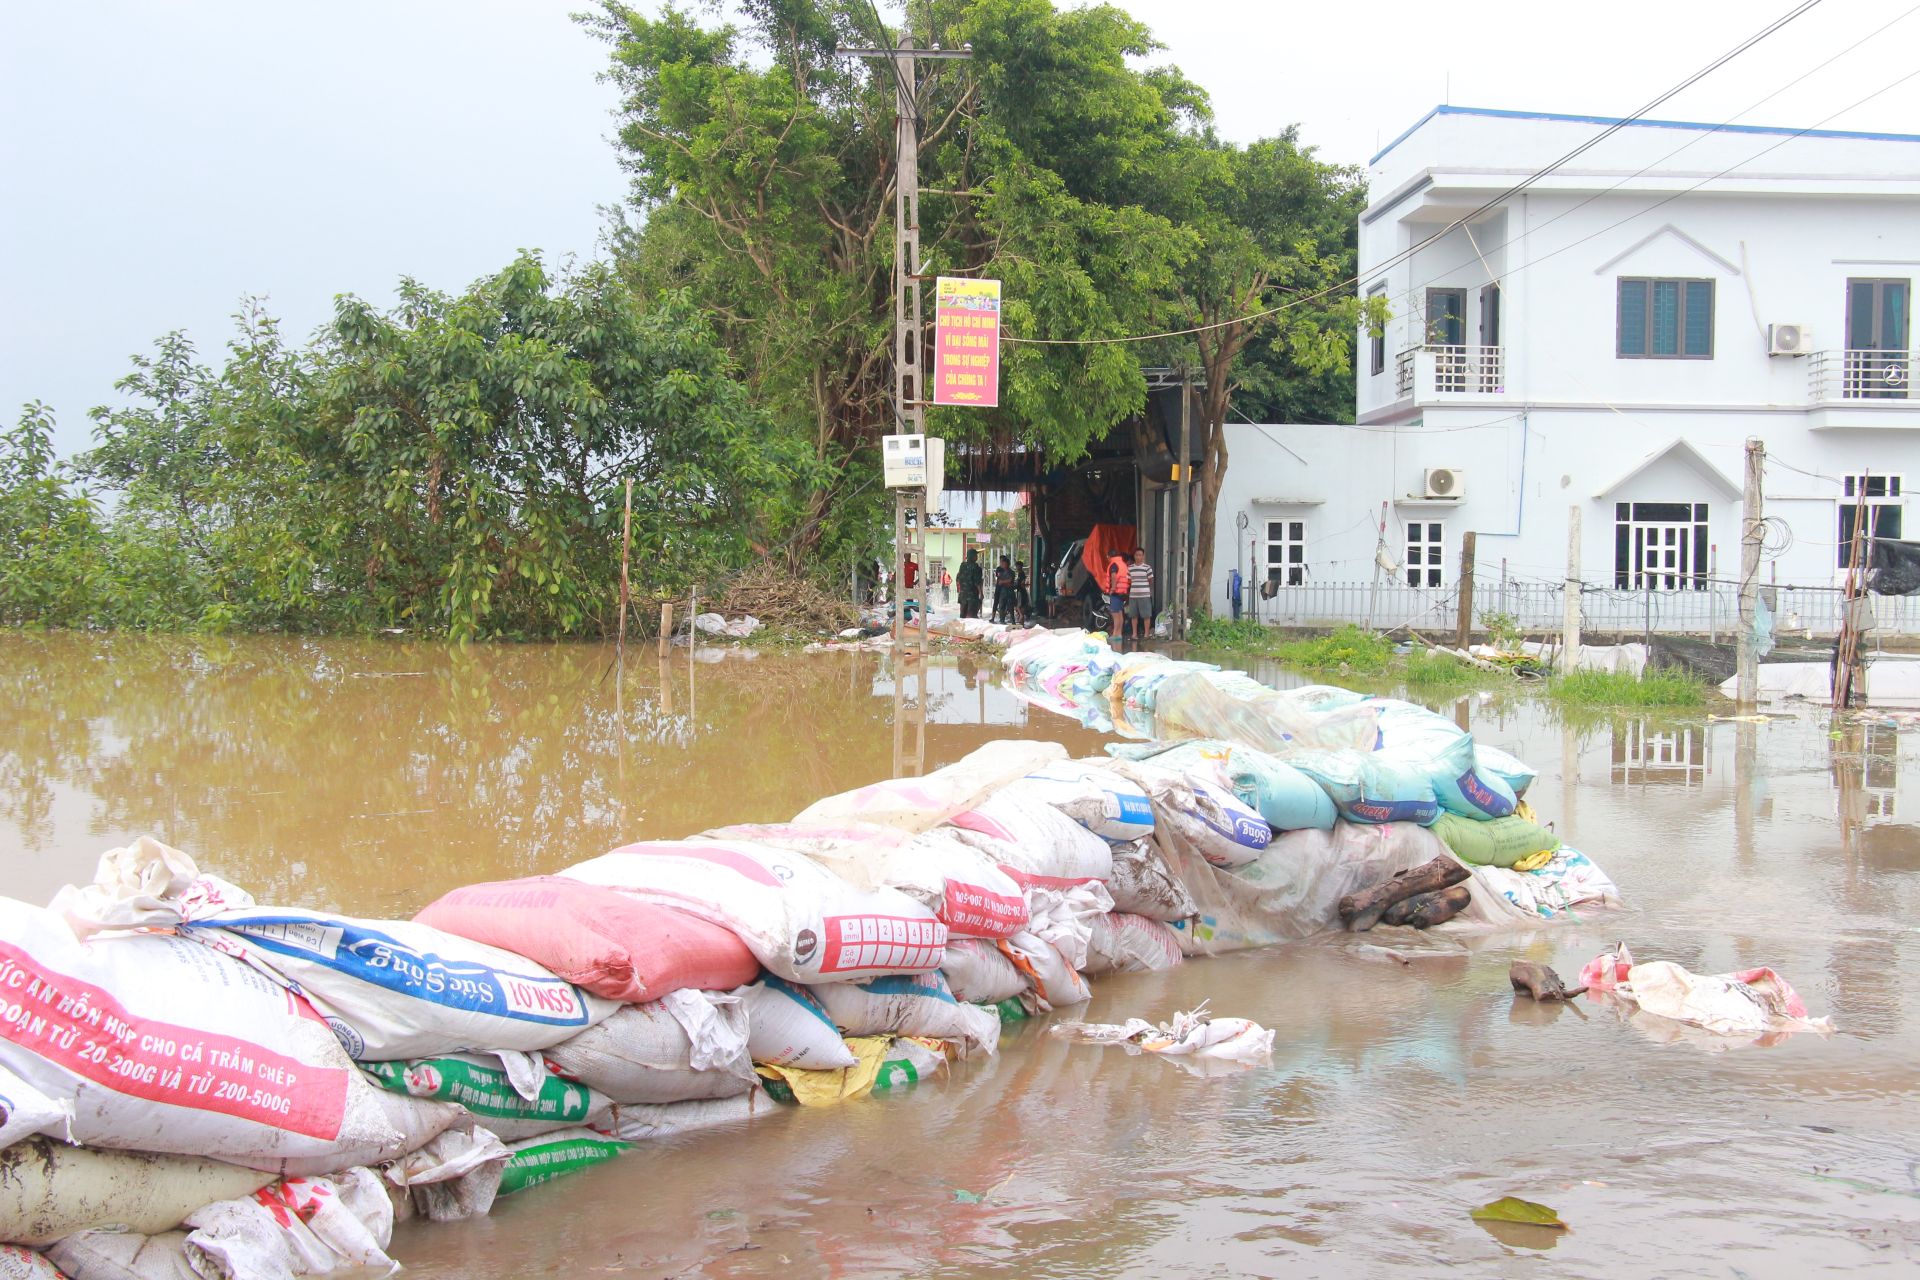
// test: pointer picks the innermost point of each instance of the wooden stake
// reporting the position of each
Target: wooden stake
(626, 546)
(1466, 589)
(666, 625)
(1570, 620)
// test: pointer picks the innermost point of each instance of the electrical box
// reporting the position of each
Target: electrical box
(903, 461)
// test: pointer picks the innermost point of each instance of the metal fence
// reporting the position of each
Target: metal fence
(1540, 608)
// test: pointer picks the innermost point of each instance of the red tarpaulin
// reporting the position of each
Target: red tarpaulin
(1104, 542)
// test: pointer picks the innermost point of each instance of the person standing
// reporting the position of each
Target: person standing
(1116, 585)
(946, 587)
(1021, 585)
(970, 585)
(1003, 590)
(1139, 593)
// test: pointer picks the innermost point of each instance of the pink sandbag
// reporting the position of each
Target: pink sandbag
(610, 943)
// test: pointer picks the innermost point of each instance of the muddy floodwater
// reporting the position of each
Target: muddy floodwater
(372, 776)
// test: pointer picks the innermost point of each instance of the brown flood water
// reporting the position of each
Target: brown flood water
(371, 776)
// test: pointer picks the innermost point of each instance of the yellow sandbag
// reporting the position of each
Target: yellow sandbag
(880, 1063)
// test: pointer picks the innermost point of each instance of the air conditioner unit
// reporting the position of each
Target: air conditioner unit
(1446, 482)
(1789, 339)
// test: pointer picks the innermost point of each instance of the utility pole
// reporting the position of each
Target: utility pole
(909, 405)
(1467, 540)
(1746, 666)
(1570, 622)
(1183, 476)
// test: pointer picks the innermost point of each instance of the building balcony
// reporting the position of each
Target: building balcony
(1847, 377)
(1440, 372)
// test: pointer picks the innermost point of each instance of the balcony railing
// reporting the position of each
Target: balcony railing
(1857, 376)
(1436, 369)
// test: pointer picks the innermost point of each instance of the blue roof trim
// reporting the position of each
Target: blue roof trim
(1499, 114)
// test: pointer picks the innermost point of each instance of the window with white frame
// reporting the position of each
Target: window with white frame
(1426, 553)
(1879, 497)
(1287, 552)
(1660, 546)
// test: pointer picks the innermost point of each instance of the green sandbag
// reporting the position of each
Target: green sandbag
(1495, 842)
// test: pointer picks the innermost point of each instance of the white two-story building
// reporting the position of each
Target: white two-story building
(1607, 338)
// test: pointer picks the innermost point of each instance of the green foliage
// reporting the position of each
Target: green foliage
(1429, 670)
(49, 537)
(1351, 649)
(1667, 687)
(1503, 628)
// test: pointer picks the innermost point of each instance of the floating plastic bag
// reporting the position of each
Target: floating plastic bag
(1098, 799)
(49, 1190)
(1608, 969)
(157, 1044)
(1751, 1002)
(1123, 943)
(977, 973)
(919, 804)
(1142, 883)
(802, 921)
(959, 884)
(482, 1087)
(910, 1005)
(392, 989)
(787, 1026)
(687, 1047)
(606, 942)
(1194, 1034)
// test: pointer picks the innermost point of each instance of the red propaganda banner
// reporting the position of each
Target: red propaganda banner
(966, 342)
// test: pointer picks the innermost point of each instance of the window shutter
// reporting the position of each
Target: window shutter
(1699, 311)
(1633, 318)
(1665, 339)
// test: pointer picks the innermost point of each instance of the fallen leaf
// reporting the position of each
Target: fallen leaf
(1514, 1209)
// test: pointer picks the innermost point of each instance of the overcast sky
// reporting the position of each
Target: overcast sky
(163, 157)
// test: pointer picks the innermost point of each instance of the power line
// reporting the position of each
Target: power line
(1413, 291)
(1406, 254)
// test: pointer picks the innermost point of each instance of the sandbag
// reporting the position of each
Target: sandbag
(1034, 843)
(1226, 831)
(555, 1155)
(24, 1264)
(1497, 842)
(920, 804)
(977, 973)
(1064, 917)
(452, 1178)
(1235, 706)
(959, 884)
(882, 1064)
(689, 1046)
(1142, 884)
(25, 1111)
(606, 942)
(645, 1123)
(49, 1190)
(157, 1044)
(1516, 773)
(1125, 943)
(1367, 787)
(1052, 982)
(482, 1087)
(1418, 739)
(912, 1005)
(802, 921)
(1098, 799)
(1288, 799)
(393, 989)
(789, 1026)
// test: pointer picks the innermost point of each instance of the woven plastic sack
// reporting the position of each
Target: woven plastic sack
(787, 1025)
(1035, 843)
(1125, 943)
(49, 1190)
(1098, 799)
(802, 921)
(978, 973)
(25, 1111)
(1142, 884)
(482, 1087)
(1288, 799)
(685, 1048)
(909, 1005)
(1370, 787)
(919, 804)
(555, 1155)
(1234, 706)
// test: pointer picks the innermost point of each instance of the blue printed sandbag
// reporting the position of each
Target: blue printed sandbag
(1417, 739)
(1288, 799)
(1101, 801)
(1493, 762)
(1370, 787)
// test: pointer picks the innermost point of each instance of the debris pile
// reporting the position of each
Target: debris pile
(784, 601)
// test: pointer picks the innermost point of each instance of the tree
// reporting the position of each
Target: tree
(49, 539)
(762, 164)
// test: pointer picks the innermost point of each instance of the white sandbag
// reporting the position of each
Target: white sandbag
(1123, 943)
(641, 1123)
(17, 1263)
(454, 1177)
(977, 973)
(49, 1190)
(483, 1087)
(1142, 884)
(1052, 983)
(1098, 799)
(157, 1044)
(789, 1027)
(145, 884)
(1228, 832)
(1034, 842)
(1064, 917)
(25, 1111)
(299, 1227)
(920, 804)
(959, 884)
(393, 989)
(909, 1005)
(802, 921)
(688, 1046)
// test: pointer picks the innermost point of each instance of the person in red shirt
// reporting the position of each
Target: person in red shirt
(913, 573)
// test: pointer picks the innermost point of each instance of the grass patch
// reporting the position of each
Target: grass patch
(1350, 649)
(1663, 688)
(1442, 671)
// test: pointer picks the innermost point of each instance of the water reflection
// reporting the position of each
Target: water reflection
(1647, 752)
